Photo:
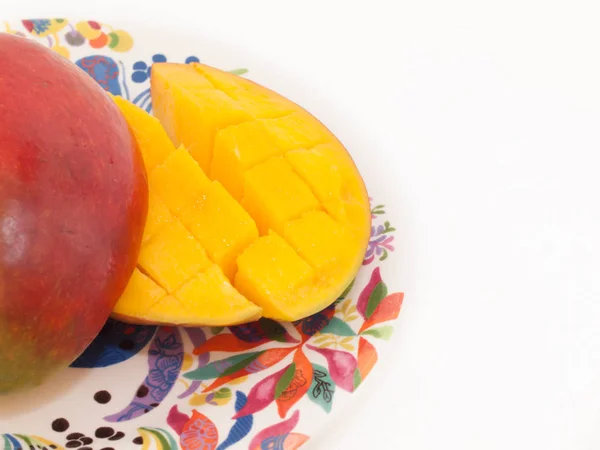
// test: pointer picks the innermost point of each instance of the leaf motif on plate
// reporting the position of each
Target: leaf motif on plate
(298, 384)
(197, 337)
(262, 394)
(242, 425)
(338, 327)
(367, 358)
(384, 332)
(165, 359)
(322, 388)
(341, 366)
(371, 294)
(176, 419)
(387, 309)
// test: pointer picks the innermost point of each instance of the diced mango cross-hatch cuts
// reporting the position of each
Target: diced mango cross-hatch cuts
(255, 208)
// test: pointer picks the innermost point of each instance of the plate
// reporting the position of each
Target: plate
(263, 385)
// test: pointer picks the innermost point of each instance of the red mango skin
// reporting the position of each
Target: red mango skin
(73, 205)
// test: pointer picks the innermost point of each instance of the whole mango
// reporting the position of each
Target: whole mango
(73, 205)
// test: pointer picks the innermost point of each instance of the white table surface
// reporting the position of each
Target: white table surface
(490, 112)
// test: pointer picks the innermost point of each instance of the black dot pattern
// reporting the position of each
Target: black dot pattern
(102, 397)
(60, 425)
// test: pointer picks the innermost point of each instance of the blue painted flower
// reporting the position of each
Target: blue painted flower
(142, 71)
(162, 378)
(315, 323)
(104, 70)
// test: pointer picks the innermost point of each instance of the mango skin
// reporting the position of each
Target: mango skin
(73, 205)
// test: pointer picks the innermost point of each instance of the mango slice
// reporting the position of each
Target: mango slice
(176, 281)
(255, 207)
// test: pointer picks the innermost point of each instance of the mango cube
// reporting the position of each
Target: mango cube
(158, 216)
(173, 256)
(325, 244)
(222, 226)
(141, 293)
(192, 109)
(271, 274)
(239, 147)
(211, 290)
(274, 194)
(153, 142)
(179, 182)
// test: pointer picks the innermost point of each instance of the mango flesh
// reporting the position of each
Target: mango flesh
(265, 189)
(194, 231)
(73, 203)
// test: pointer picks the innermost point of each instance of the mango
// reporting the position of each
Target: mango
(73, 205)
(194, 232)
(260, 209)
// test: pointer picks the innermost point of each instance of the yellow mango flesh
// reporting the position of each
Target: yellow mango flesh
(177, 105)
(222, 226)
(178, 280)
(289, 174)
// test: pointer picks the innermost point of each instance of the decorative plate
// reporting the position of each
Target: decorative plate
(264, 385)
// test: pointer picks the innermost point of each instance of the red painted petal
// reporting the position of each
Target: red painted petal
(363, 298)
(298, 386)
(367, 357)
(388, 309)
(226, 343)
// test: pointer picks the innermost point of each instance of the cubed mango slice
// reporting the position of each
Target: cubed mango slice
(274, 194)
(266, 214)
(222, 226)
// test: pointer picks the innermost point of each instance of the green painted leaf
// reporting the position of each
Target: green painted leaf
(239, 71)
(285, 380)
(338, 327)
(26, 440)
(163, 436)
(378, 294)
(381, 332)
(222, 367)
(322, 388)
(223, 393)
(357, 378)
(7, 445)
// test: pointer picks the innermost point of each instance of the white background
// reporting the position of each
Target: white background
(485, 116)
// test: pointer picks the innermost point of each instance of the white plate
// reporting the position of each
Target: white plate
(140, 385)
